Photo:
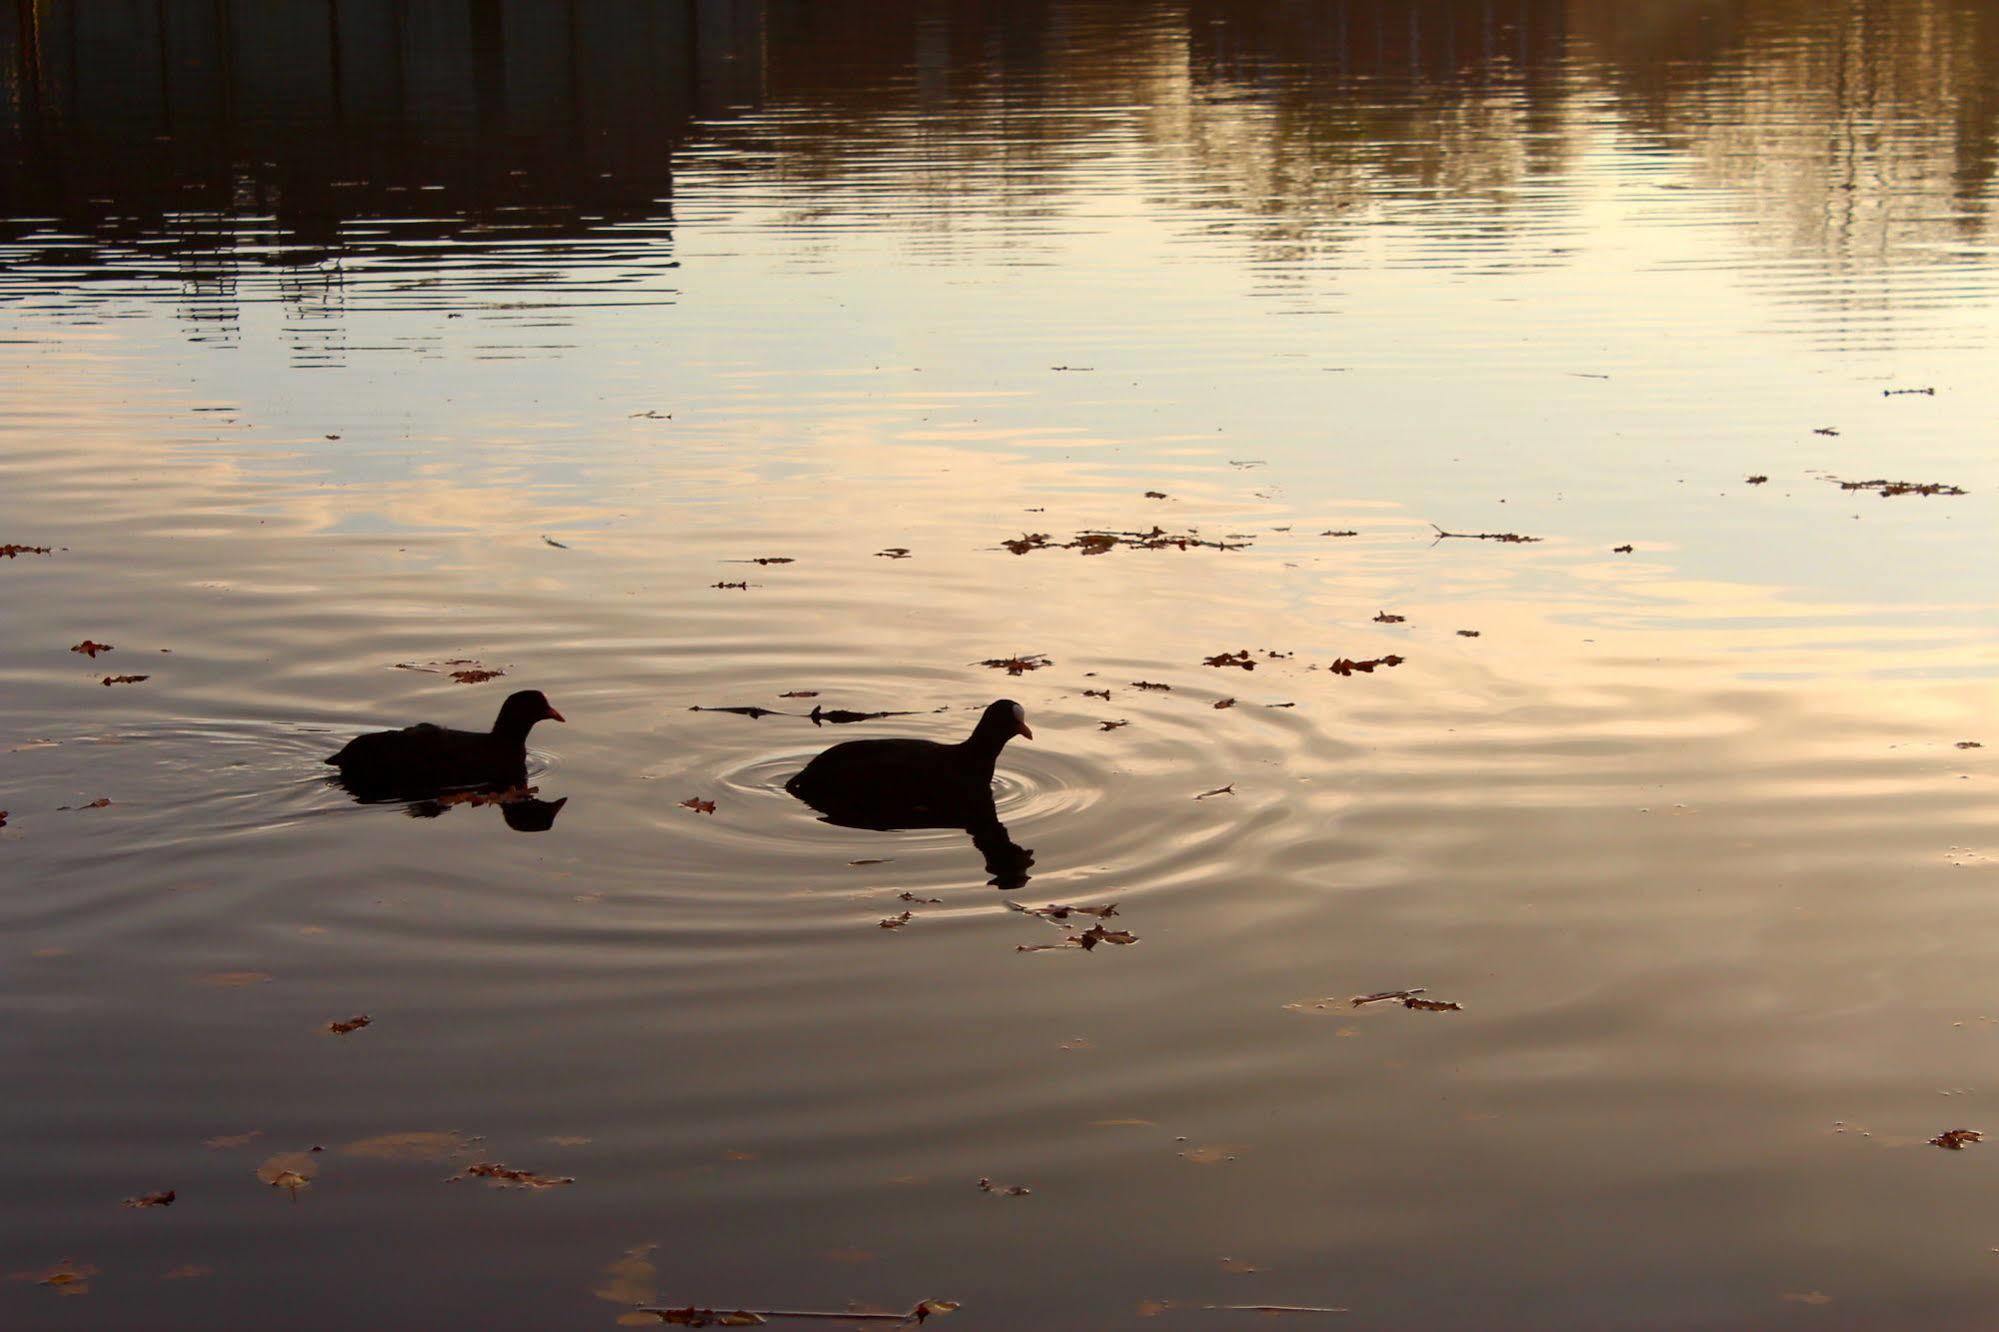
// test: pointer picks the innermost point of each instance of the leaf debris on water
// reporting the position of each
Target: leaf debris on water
(1031, 661)
(1218, 791)
(895, 922)
(102, 802)
(123, 679)
(506, 1177)
(1003, 1190)
(1155, 494)
(1385, 618)
(1060, 911)
(1757, 480)
(1467, 633)
(841, 717)
(690, 1316)
(10, 550)
(164, 1198)
(742, 587)
(553, 542)
(1150, 684)
(907, 896)
(1099, 542)
(67, 1277)
(1221, 703)
(1087, 940)
(1111, 725)
(1240, 658)
(1103, 694)
(347, 1025)
(1887, 488)
(765, 560)
(894, 553)
(1508, 538)
(1971, 744)
(698, 805)
(1380, 996)
(90, 648)
(799, 693)
(1347, 665)
(752, 711)
(1341, 532)
(1955, 1139)
(1904, 393)
(1824, 430)
(1620, 550)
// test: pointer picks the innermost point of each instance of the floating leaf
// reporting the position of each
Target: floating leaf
(1755, 480)
(1148, 684)
(1621, 550)
(1241, 659)
(693, 1317)
(164, 1198)
(290, 1171)
(1056, 911)
(1003, 1190)
(1032, 661)
(553, 542)
(1432, 1005)
(506, 1177)
(352, 1024)
(1347, 665)
(1385, 618)
(1955, 1139)
(1962, 744)
(123, 679)
(102, 802)
(743, 587)
(1155, 494)
(67, 1277)
(751, 711)
(765, 559)
(1221, 703)
(922, 901)
(1340, 533)
(1824, 430)
(1103, 694)
(1111, 725)
(841, 717)
(895, 922)
(698, 805)
(1218, 791)
(478, 675)
(1467, 633)
(1888, 488)
(800, 693)
(894, 553)
(512, 795)
(90, 648)
(1903, 393)
(11, 550)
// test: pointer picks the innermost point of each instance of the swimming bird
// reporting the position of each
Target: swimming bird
(906, 783)
(425, 759)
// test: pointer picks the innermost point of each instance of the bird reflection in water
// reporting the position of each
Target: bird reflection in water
(889, 785)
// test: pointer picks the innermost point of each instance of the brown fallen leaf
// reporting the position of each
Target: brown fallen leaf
(110, 680)
(164, 1198)
(232, 980)
(1221, 703)
(290, 1171)
(894, 553)
(1467, 633)
(1347, 665)
(1755, 480)
(1955, 1139)
(506, 1177)
(10, 550)
(1621, 550)
(1032, 661)
(1103, 694)
(476, 675)
(1910, 392)
(1057, 911)
(1218, 791)
(1111, 725)
(3, 818)
(1149, 684)
(1432, 1005)
(753, 712)
(1385, 618)
(1155, 494)
(698, 805)
(549, 540)
(352, 1024)
(102, 802)
(1962, 744)
(895, 922)
(1241, 659)
(1003, 1190)
(921, 901)
(67, 1277)
(90, 649)
(1825, 430)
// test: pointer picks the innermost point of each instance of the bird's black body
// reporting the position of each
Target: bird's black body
(426, 760)
(905, 783)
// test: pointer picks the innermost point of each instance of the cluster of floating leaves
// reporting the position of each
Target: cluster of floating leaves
(1098, 542)
(1030, 661)
(1508, 538)
(1347, 665)
(1885, 488)
(1408, 999)
(462, 670)
(1003, 1190)
(346, 1026)
(1239, 658)
(506, 1177)
(1955, 1139)
(91, 648)
(698, 805)
(10, 550)
(1086, 941)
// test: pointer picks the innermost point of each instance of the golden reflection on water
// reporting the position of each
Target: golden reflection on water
(1685, 828)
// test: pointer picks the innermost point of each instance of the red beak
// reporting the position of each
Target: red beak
(553, 715)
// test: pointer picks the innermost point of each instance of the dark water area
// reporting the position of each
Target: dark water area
(345, 346)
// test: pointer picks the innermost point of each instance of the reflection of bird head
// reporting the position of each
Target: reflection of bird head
(521, 711)
(532, 815)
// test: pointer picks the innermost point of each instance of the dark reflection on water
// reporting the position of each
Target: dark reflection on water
(664, 353)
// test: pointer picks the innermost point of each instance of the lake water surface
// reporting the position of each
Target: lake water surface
(339, 339)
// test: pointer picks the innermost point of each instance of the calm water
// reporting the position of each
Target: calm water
(321, 323)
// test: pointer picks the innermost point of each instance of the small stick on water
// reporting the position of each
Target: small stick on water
(1512, 537)
(688, 1317)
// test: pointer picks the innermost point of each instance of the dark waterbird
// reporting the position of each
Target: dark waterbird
(906, 783)
(426, 759)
